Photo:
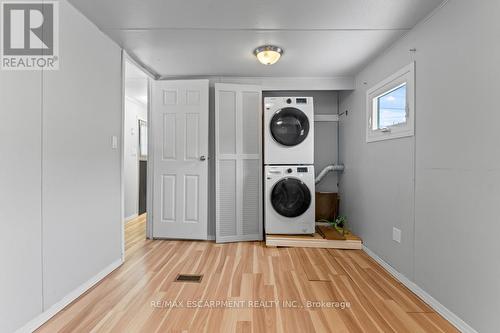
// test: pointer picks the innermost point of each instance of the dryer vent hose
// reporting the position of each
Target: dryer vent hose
(327, 169)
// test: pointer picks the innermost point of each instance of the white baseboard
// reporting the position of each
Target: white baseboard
(131, 217)
(456, 321)
(42, 318)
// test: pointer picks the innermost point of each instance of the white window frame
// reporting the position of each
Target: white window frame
(405, 75)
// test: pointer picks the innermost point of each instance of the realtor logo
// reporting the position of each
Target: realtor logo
(29, 35)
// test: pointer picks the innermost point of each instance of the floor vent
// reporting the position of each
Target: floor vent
(188, 278)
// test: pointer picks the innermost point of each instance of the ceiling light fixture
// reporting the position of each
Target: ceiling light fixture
(268, 54)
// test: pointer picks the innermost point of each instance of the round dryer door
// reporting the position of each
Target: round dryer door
(289, 126)
(290, 197)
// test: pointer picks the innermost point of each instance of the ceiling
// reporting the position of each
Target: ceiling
(321, 38)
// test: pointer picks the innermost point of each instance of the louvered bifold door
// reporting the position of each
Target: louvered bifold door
(238, 140)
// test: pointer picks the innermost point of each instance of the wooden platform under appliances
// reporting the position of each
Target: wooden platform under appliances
(325, 237)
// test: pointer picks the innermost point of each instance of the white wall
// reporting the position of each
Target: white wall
(20, 198)
(441, 187)
(134, 110)
(60, 185)
(81, 178)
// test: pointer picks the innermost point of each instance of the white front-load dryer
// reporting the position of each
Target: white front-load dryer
(289, 199)
(288, 130)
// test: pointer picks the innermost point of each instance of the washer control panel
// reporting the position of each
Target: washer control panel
(273, 172)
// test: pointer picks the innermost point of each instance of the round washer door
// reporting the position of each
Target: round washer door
(289, 126)
(290, 197)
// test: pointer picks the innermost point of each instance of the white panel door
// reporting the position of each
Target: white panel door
(180, 161)
(238, 140)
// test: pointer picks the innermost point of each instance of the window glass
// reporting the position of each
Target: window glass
(390, 108)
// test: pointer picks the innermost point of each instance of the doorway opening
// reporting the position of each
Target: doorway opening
(135, 150)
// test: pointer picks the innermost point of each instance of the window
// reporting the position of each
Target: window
(390, 107)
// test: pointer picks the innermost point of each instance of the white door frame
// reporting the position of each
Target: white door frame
(150, 169)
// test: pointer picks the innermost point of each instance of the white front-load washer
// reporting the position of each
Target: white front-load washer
(288, 130)
(289, 199)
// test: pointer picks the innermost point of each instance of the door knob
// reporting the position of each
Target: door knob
(202, 158)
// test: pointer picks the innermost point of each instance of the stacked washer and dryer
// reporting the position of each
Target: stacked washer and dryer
(289, 165)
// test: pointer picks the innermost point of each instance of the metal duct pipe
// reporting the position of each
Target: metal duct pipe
(327, 169)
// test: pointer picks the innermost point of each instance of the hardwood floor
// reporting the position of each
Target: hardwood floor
(135, 297)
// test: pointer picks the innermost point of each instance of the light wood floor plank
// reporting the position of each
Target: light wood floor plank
(136, 296)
